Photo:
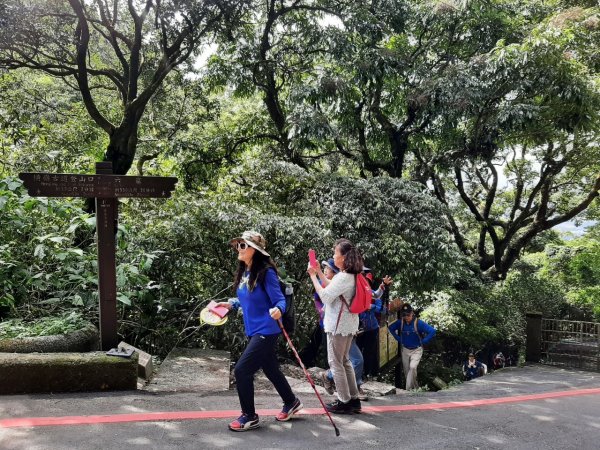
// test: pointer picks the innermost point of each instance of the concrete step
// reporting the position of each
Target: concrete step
(192, 370)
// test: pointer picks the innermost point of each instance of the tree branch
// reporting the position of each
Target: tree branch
(82, 40)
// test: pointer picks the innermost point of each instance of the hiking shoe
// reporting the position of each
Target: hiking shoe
(327, 383)
(362, 395)
(339, 407)
(244, 423)
(355, 405)
(288, 411)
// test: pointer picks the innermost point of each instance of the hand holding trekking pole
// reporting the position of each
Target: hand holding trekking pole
(275, 313)
(308, 377)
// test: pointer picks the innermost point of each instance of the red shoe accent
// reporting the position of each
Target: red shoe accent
(288, 411)
(244, 423)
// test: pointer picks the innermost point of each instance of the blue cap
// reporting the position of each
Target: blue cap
(329, 263)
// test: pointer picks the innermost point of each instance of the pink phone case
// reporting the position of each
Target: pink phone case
(312, 258)
(220, 311)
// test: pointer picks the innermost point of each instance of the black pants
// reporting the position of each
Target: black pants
(368, 343)
(260, 354)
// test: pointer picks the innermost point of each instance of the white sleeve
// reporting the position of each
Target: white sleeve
(337, 287)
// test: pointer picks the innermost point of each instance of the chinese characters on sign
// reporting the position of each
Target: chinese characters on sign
(106, 188)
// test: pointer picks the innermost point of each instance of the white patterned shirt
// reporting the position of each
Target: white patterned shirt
(341, 284)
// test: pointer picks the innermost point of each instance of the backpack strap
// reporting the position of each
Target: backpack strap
(416, 330)
(340, 314)
(401, 328)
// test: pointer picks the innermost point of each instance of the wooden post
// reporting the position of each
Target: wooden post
(533, 348)
(106, 225)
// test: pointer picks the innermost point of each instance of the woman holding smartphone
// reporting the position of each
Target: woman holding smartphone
(340, 324)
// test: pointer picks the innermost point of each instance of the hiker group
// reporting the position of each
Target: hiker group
(348, 307)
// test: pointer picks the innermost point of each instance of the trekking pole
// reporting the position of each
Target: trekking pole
(308, 377)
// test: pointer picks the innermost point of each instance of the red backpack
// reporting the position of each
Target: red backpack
(362, 298)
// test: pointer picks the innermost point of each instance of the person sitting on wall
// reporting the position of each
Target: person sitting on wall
(473, 368)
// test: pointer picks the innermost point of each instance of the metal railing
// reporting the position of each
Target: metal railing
(571, 343)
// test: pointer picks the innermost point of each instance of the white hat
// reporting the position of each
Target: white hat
(253, 239)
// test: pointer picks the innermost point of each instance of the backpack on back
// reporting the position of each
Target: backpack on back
(416, 322)
(288, 318)
(362, 297)
(361, 301)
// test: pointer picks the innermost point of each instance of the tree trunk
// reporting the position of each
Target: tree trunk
(122, 147)
(399, 147)
(120, 151)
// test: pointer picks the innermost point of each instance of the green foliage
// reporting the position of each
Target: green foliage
(493, 312)
(44, 126)
(383, 216)
(38, 264)
(524, 291)
(48, 258)
(295, 211)
(576, 266)
(44, 326)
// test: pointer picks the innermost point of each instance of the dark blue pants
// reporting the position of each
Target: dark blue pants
(368, 343)
(260, 354)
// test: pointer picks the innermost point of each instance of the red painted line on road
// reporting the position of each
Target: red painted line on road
(481, 402)
(199, 415)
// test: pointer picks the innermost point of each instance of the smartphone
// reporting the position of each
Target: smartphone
(220, 311)
(312, 258)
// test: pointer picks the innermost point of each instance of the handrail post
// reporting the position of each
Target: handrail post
(533, 348)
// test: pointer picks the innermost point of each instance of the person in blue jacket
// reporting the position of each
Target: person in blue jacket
(368, 337)
(473, 368)
(259, 295)
(411, 333)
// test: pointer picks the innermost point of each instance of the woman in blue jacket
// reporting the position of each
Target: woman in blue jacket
(259, 295)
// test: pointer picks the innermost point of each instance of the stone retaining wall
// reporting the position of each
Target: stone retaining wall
(66, 372)
(83, 340)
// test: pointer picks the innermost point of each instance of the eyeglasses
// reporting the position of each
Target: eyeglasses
(241, 246)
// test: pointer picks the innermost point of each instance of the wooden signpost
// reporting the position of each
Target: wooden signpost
(106, 188)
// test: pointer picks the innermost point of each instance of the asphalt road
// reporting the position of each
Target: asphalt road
(564, 421)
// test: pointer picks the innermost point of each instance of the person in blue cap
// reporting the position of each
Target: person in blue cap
(411, 333)
(355, 355)
(310, 352)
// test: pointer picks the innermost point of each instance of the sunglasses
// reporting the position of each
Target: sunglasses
(241, 246)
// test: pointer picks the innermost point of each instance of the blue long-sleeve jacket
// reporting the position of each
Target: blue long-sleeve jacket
(409, 338)
(368, 320)
(255, 304)
(472, 371)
